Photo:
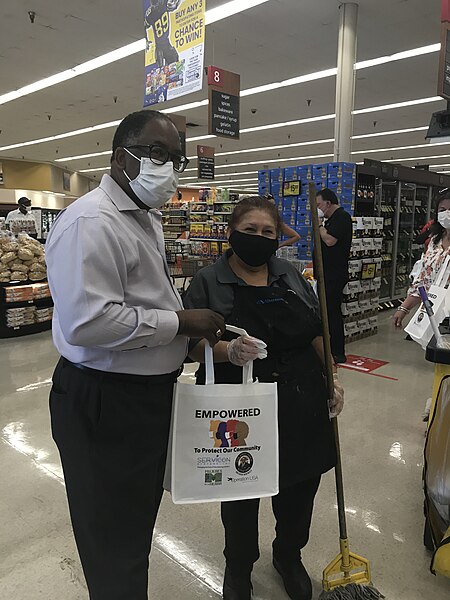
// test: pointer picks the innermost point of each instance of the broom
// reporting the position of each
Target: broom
(348, 576)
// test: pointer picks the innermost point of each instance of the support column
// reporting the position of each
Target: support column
(345, 82)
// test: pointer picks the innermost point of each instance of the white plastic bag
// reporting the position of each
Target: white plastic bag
(419, 327)
(224, 439)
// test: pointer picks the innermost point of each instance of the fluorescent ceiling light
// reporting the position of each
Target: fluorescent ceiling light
(52, 193)
(416, 158)
(212, 16)
(243, 131)
(288, 82)
(264, 148)
(392, 132)
(229, 9)
(93, 170)
(415, 147)
(226, 181)
(61, 136)
(397, 105)
(271, 161)
(86, 67)
(397, 56)
(91, 155)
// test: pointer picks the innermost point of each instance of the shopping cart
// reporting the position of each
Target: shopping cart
(186, 269)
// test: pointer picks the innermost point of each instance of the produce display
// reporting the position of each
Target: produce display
(21, 258)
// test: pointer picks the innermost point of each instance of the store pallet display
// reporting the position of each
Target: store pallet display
(362, 294)
(290, 189)
(25, 308)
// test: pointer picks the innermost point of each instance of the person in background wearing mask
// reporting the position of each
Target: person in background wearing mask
(433, 259)
(122, 333)
(23, 213)
(336, 233)
(267, 297)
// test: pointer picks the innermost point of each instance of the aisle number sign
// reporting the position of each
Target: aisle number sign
(205, 162)
(175, 39)
(224, 103)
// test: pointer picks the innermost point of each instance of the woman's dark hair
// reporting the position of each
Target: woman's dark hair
(436, 230)
(255, 203)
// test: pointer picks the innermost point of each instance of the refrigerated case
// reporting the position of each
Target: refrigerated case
(403, 197)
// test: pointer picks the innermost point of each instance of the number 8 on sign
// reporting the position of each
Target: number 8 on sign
(215, 76)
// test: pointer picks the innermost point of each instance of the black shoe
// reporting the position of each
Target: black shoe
(237, 586)
(340, 359)
(295, 578)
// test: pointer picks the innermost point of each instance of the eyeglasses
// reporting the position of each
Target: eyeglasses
(159, 156)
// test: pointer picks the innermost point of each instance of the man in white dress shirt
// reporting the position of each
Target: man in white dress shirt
(22, 215)
(122, 333)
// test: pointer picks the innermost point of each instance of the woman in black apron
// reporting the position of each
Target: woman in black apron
(267, 297)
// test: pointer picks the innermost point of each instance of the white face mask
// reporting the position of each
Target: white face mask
(444, 219)
(320, 213)
(156, 184)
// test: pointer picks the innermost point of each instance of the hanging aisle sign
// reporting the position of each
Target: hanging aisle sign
(444, 60)
(224, 103)
(175, 38)
(205, 162)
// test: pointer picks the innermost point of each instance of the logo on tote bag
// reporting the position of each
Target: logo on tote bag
(244, 463)
(228, 434)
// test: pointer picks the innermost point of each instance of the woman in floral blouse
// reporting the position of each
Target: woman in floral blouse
(438, 250)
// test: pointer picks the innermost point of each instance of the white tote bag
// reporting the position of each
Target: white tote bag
(224, 439)
(419, 328)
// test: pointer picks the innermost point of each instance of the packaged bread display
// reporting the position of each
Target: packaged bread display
(22, 258)
(25, 254)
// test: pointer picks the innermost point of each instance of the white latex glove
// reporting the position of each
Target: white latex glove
(337, 403)
(244, 349)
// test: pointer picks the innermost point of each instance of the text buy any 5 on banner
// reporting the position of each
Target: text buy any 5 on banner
(224, 440)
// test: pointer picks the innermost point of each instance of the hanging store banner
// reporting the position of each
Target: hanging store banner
(224, 103)
(205, 162)
(444, 60)
(175, 39)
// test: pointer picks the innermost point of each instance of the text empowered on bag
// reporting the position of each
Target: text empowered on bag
(227, 414)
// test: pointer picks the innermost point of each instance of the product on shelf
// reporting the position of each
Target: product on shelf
(21, 258)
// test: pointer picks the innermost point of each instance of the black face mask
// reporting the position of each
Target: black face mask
(254, 250)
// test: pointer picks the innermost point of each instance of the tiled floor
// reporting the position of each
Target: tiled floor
(382, 440)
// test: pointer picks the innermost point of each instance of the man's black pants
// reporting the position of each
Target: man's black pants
(335, 293)
(112, 433)
(292, 507)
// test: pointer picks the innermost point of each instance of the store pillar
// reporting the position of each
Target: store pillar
(345, 81)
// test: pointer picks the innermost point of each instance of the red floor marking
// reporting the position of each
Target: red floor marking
(363, 363)
(344, 366)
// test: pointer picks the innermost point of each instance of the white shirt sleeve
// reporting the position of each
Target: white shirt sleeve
(87, 273)
(9, 217)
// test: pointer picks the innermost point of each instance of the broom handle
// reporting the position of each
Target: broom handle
(319, 275)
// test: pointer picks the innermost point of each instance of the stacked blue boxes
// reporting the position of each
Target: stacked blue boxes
(264, 182)
(342, 180)
(296, 210)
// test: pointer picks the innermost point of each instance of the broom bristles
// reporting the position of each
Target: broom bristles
(352, 591)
